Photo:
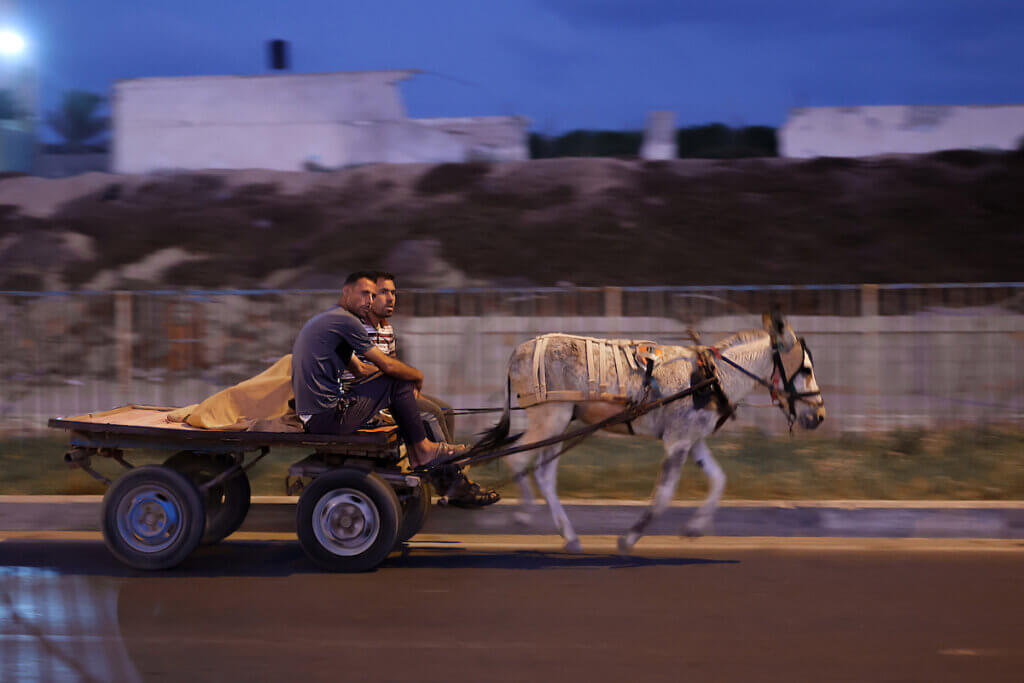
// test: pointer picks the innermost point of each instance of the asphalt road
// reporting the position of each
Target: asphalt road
(514, 608)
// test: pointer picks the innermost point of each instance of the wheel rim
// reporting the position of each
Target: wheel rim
(346, 522)
(150, 518)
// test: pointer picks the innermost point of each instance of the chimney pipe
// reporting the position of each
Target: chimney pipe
(278, 55)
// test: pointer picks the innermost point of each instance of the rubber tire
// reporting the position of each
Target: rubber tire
(384, 500)
(415, 509)
(186, 496)
(227, 504)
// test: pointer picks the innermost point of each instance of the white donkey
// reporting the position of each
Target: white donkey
(560, 377)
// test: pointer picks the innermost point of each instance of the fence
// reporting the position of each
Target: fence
(886, 356)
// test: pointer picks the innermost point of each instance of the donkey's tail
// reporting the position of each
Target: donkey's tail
(497, 436)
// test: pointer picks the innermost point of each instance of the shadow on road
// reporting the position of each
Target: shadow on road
(433, 558)
(284, 558)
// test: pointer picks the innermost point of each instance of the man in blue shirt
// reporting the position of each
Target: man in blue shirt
(326, 345)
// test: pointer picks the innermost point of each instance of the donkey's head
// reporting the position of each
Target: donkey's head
(794, 373)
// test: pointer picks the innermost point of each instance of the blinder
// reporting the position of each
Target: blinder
(807, 350)
(791, 394)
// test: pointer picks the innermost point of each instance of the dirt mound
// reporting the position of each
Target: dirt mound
(952, 216)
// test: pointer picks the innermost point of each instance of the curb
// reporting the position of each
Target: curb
(841, 519)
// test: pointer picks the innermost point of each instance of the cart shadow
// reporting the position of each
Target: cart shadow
(286, 558)
(439, 558)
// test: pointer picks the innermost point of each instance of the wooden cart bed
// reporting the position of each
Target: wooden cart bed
(147, 426)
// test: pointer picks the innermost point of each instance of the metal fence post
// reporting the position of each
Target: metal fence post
(870, 348)
(612, 302)
(123, 343)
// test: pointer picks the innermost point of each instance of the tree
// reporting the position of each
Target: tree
(718, 141)
(9, 108)
(77, 120)
(586, 143)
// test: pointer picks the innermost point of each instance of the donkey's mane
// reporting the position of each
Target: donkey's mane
(741, 337)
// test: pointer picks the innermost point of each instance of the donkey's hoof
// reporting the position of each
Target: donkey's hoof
(696, 529)
(624, 546)
(523, 518)
(699, 525)
(573, 546)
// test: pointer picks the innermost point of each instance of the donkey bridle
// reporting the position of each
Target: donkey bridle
(789, 390)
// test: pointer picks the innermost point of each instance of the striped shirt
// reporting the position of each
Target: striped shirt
(383, 338)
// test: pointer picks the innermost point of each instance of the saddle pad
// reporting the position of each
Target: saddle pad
(607, 362)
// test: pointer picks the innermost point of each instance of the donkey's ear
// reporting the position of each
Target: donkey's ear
(773, 323)
(779, 330)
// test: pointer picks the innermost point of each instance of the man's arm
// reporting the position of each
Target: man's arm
(394, 367)
(358, 368)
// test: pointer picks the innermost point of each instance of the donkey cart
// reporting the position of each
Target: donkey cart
(357, 507)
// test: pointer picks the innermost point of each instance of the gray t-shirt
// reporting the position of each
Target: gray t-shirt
(319, 355)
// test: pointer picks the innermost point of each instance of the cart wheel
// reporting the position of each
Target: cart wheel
(227, 504)
(347, 520)
(152, 517)
(415, 508)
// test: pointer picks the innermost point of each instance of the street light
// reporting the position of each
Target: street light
(11, 43)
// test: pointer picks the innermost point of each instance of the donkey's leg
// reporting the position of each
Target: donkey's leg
(542, 421)
(546, 476)
(519, 462)
(668, 479)
(700, 523)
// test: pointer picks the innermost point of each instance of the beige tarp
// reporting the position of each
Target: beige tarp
(259, 404)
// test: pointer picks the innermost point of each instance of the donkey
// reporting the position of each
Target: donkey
(561, 377)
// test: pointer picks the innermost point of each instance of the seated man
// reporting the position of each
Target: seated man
(378, 326)
(325, 345)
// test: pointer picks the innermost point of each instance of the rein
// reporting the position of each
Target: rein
(629, 414)
(476, 411)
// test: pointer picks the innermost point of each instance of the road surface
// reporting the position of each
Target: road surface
(516, 608)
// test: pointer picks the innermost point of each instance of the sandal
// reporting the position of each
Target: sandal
(469, 495)
(440, 455)
(444, 452)
(465, 493)
(455, 488)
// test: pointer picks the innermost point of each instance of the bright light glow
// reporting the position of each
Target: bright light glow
(11, 43)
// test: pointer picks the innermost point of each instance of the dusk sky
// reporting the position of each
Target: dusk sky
(565, 64)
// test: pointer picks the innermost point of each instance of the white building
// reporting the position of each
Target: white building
(292, 122)
(867, 131)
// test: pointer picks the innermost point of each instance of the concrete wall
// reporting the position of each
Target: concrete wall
(491, 138)
(399, 142)
(291, 122)
(279, 122)
(866, 131)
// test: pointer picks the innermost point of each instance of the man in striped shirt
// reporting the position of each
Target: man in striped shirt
(382, 334)
(377, 323)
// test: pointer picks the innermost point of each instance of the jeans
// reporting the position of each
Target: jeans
(363, 401)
